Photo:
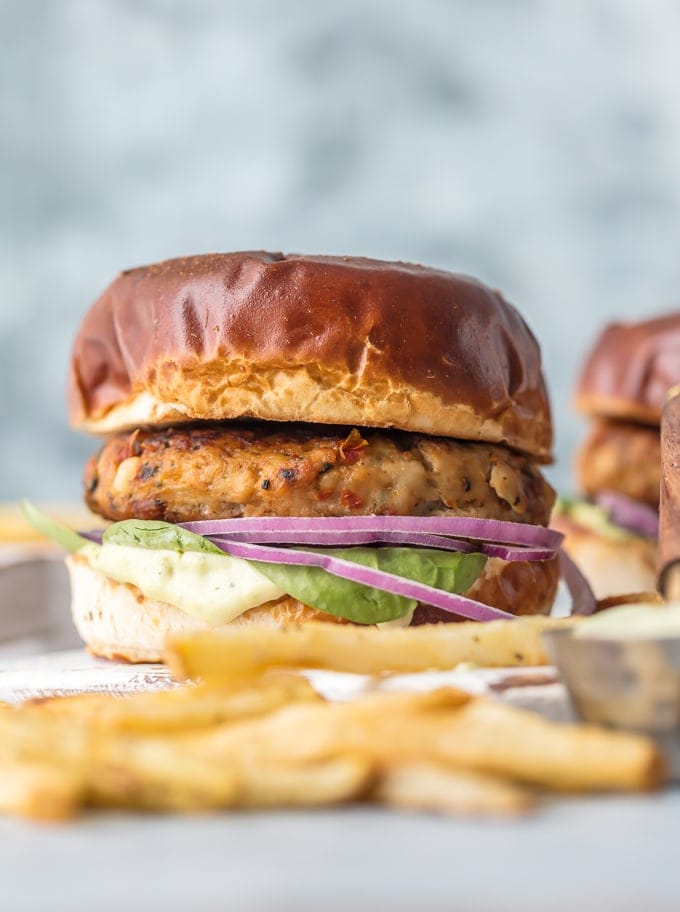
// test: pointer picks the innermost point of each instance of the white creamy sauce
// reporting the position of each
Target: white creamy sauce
(214, 588)
(632, 622)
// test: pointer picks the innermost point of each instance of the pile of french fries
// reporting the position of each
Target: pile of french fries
(253, 733)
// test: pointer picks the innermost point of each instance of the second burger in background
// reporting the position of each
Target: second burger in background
(612, 534)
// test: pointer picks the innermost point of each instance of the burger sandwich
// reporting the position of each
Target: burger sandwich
(290, 438)
(612, 532)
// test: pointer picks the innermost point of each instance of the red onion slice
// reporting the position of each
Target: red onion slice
(261, 538)
(367, 576)
(504, 552)
(331, 539)
(582, 597)
(346, 539)
(469, 527)
(630, 514)
(93, 535)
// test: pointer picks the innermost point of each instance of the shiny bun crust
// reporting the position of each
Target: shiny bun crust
(118, 622)
(630, 369)
(330, 340)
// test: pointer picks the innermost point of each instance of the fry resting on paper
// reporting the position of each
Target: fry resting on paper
(364, 650)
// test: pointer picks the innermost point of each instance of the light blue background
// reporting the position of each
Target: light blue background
(534, 144)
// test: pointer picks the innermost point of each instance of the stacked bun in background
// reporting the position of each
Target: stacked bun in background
(613, 535)
(258, 384)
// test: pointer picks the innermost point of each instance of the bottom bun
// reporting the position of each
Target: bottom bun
(611, 566)
(518, 587)
(118, 622)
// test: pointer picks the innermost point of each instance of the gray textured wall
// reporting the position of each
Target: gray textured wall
(535, 144)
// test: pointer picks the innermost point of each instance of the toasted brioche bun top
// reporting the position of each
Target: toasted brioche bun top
(630, 369)
(331, 340)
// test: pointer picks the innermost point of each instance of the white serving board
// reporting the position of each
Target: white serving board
(75, 671)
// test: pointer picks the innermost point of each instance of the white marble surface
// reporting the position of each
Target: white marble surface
(599, 855)
(535, 144)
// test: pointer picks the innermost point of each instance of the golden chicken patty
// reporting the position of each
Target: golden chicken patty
(623, 457)
(215, 471)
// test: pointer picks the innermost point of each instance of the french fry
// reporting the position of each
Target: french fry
(478, 735)
(393, 704)
(312, 733)
(112, 769)
(501, 739)
(426, 786)
(182, 773)
(39, 791)
(329, 781)
(115, 761)
(441, 750)
(365, 650)
(157, 774)
(182, 708)
(172, 775)
(25, 737)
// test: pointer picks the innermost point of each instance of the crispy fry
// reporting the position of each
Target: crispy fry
(272, 742)
(426, 786)
(182, 708)
(185, 773)
(330, 781)
(395, 703)
(39, 791)
(249, 649)
(157, 774)
(26, 737)
(149, 772)
(197, 772)
(478, 735)
(505, 740)
(171, 775)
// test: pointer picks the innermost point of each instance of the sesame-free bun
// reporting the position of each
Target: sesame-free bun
(329, 340)
(118, 622)
(630, 369)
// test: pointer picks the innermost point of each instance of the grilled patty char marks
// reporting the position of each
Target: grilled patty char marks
(215, 471)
